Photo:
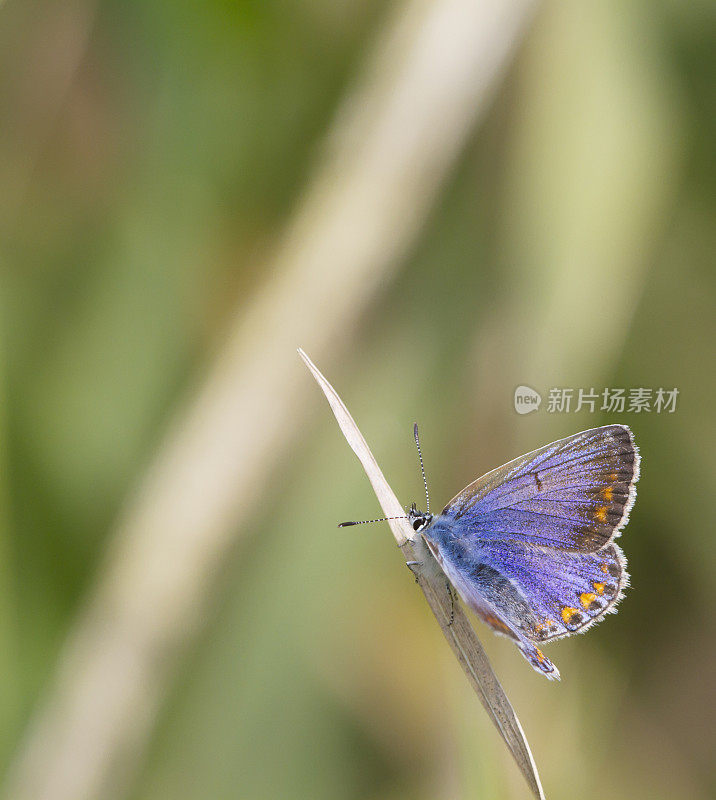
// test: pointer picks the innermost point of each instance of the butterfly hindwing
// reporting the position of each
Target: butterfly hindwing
(495, 597)
(568, 592)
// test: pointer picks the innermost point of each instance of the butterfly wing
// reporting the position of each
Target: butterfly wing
(574, 494)
(529, 545)
(495, 598)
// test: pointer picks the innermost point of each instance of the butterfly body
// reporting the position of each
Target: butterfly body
(529, 546)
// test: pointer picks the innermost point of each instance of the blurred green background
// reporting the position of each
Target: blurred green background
(150, 155)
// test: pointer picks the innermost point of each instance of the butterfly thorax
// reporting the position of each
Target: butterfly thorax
(440, 529)
(442, 532)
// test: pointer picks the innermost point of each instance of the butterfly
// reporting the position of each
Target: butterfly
(530, 545)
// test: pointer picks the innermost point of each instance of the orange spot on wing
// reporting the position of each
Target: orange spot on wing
(496, 623)
(599, 587)
(601, 514)
(540, 655)
(586, 598)
(611, 478)
(604, 568)
(607, 494)
(567, 613)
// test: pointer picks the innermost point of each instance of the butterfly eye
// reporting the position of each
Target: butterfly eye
(418, 524)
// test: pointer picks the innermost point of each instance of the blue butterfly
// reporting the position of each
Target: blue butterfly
(530, 546)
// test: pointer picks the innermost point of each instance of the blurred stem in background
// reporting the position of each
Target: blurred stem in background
(395, 139)
(9, 653)
(61, 37)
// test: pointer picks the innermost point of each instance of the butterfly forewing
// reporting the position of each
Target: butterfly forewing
(573, 494)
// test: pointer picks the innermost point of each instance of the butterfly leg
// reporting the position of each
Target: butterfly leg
(452, 603)
(538, 660)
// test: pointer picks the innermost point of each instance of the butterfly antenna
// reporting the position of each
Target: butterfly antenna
(422, 468)
(368, 521)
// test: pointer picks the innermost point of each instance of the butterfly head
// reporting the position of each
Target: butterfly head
(418, 521)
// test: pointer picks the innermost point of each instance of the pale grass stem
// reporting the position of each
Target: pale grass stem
(452, 620)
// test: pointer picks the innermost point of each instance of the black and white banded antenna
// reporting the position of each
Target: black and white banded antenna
(422, 468)
(368, 521)
(413, 513)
